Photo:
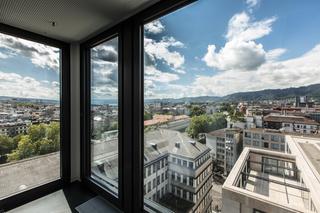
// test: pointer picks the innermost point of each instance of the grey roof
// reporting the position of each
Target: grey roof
(29, 173)
(165, 141)
(221, 132)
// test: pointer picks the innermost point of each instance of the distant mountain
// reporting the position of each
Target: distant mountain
(275, 94)
(268, 94)
(28, 100)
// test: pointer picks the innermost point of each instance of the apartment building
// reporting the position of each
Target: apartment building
(13, 129)
(225, 146)
(268, 139)
(291, 123)
(177, 171)
(269, 181)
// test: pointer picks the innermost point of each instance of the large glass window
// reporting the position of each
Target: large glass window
(30, 75)
(104, 114)
(210, 69)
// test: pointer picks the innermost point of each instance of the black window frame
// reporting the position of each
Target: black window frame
(131, 87)
(23, 197)
(85, 82)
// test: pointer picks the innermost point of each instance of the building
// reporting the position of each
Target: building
(226, 146)
(290, 123)
(178, 171)
(268, 139)
(270, 181)
(13, 129)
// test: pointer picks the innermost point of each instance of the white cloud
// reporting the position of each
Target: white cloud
(40, 55)
(300, 71)
(3, 56)
(252, 3)
(154, 27)
(161, 51)
(15, 85)
(275, 54)
(241, 51)
(155, 75)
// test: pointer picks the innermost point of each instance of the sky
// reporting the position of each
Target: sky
(220, 47)
(208, 48)
(28, 69)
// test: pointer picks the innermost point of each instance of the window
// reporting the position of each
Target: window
(266, 145)
(104, 115)
(31, 108)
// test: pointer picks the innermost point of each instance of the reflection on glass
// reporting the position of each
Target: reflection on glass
(29, 114)
(104, 114)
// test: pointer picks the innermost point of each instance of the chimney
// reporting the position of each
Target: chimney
(154, 145)
(177, 144)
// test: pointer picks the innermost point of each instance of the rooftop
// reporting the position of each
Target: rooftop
(290, 119)
(222, 132)
(162, 141)
(29, 173)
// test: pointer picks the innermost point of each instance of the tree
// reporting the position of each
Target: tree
(6, 145)
(37, 132)
(196, 111)
(205, 123)
(147, 116)
(41, 139)
(25, 149)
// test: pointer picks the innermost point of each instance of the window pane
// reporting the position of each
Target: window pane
(29, 114)
(218, 78)
(104, 114)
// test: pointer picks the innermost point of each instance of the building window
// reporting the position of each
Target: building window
(266, 145)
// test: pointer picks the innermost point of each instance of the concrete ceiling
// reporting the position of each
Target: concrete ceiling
(75, 19)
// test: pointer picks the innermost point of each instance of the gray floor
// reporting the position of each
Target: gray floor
(52, 203)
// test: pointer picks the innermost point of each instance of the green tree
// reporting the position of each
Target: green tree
(196, 111)
(6, 145)
(25, 149)
(37, 132)
(205, 123)
(147, 116)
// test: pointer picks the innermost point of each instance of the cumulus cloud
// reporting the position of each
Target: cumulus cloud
(295, 72)
(160, 50)
(154, 27)
(15, 85)
(241, 51)
(155, 75)
(40, 55)
(104, 64)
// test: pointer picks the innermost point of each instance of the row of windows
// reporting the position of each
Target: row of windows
(182, 178)
(203, 175)
(149, 170)
(177, 191)
(181, 162)
(156, 181)
(203, 189)
(204, 203)
(202, 159)
(275, 138)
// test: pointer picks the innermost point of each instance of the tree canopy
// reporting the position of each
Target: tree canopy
(206, 123)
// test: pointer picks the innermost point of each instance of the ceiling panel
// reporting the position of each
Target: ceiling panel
(75, 19)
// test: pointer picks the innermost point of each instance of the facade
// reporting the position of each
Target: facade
(270, 181)
(178, 172)
(13, 129)
(226, 146)
(268, 139)
(290, 123)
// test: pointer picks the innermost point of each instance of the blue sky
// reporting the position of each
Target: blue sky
(258, 44)
(211, 47)
(28, 69)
